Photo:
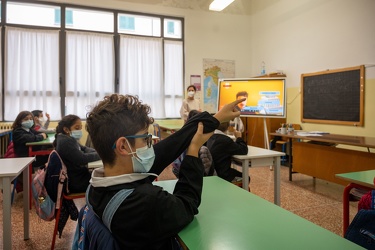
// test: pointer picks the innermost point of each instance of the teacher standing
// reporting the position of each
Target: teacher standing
(189, 103)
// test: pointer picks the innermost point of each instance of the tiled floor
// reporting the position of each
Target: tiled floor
(317, 201)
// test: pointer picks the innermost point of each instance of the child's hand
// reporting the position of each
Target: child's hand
(198, 140)
(229, 111)
(237, 134)
(47, 115)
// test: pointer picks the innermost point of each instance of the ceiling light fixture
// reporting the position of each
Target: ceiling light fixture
(219, 5)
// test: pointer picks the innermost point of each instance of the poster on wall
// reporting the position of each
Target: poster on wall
(213, 70)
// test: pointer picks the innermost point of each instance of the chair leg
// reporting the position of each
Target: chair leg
(57, 218)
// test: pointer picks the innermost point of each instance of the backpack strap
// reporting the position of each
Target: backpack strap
(112, 205)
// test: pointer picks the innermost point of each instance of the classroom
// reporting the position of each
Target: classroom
(291, 37)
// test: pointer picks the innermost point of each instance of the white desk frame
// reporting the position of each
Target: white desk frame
(261, 157)
(10, 169)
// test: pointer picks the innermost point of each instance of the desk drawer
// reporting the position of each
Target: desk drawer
(324, 162)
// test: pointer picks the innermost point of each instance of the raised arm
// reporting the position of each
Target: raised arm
(168, 149)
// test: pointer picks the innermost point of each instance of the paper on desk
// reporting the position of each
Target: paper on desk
(307, 134)
(318, 132)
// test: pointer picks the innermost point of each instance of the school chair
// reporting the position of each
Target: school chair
(55, 167)
(283, 142)
(70, 197)
(157, 131)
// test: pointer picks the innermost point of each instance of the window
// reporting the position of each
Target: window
(89, 70)
(32, 14)
(139, 25)
(127, 23)
(149, 49)
(172, 28)
(82, 19)
(174, 77)
(141, 71)
(27, 83)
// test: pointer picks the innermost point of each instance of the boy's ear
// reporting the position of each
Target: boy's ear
(122, 146)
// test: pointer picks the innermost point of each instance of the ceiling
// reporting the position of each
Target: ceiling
(238, 7)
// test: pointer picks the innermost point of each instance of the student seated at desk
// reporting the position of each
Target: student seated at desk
(222, 148)
(149, 218)
(23, 133)
(39, 120)
(74, 155)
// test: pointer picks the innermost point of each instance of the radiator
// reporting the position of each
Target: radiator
(5, 125)
(4, 138)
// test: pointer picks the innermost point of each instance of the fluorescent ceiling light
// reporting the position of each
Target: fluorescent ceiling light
(219, 5)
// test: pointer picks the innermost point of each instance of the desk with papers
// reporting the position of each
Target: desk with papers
(318, 156)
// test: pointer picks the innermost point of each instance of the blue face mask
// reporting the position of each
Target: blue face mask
(28, 124)
(144, 160)
(76, 134)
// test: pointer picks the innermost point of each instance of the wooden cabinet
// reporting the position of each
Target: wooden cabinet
(255, 129)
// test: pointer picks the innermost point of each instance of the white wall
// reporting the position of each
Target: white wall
(305, 36)
(296, 36)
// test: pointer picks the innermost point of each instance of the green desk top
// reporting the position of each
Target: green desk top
(170, 124)
(364, 178)
(48, 141)
(232, 218)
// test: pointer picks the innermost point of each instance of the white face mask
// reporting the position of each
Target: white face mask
(76, 134)
(41, 120)
(28, 124)
(144, 160)
(191, 93)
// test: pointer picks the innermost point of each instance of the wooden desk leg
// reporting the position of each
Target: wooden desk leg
(290, 160)
(345, 203)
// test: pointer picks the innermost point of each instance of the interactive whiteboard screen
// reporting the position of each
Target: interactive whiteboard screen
(265, 97)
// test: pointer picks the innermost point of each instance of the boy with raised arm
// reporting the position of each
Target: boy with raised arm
(149, 218)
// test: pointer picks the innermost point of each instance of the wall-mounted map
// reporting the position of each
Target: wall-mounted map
(213, 70)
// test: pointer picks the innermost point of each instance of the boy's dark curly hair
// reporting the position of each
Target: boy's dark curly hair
(113, 117)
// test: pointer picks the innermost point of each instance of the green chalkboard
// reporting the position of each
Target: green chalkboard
(333, 96)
